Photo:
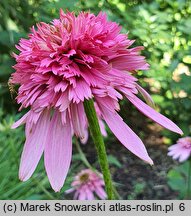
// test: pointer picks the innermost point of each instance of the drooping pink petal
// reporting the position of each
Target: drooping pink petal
(146, 96)
(101, 193)
(76, 195)
(102, 127)
(125, 135)
(82, 195)
(154, 115)
(185, 154)
(58, 151)
(175, 147)
(89, 194)
(20, 121)
(34, 146)
(78, 119)
(85, 138)
(69, 190)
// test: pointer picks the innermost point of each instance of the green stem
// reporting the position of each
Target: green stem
(189, 179)
(100, 146)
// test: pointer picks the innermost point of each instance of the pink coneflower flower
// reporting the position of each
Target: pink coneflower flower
(64, 63)
(181, 150)
(86, 184)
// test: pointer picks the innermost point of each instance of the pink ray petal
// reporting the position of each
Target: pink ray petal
(101, 193)
(184, 155)
(82, 195)
(85, 138)
(175, 146)
(69, 190)
(102, 127)
(58, 151)
(146, 96)
(20, 121)
(125, 135)
(34, 146)
(76, 195)
(78, 118)
(89, 194)
(154, 115)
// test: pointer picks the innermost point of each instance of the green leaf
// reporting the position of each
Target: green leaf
(113, 160)
(178, 178)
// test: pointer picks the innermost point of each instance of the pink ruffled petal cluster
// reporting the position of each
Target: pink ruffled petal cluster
(181, 150)
(87, 184)
(61, 64)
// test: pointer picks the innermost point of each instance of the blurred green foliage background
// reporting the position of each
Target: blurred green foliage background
(162, 27)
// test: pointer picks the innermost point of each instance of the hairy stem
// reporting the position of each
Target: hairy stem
(100, 146)
(189, 180)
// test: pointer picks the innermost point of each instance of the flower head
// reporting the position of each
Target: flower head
(61, 64)
(86, 184)
(181, 150)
